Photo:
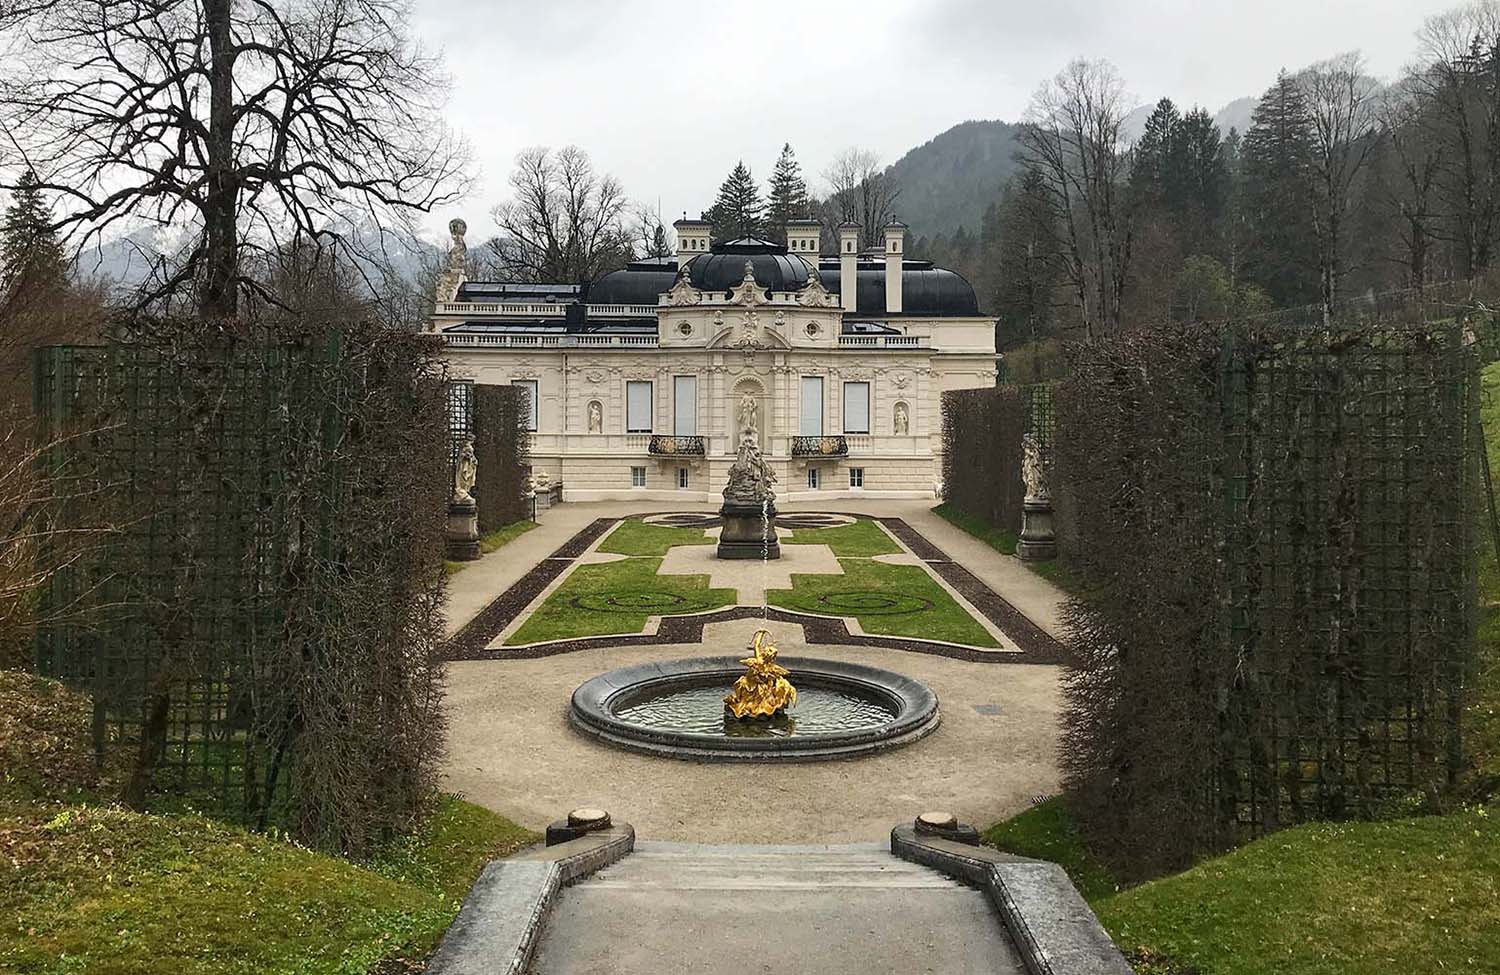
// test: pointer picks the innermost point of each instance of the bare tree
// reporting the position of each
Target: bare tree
(1072, 137)
(860, 191)
(1458, 77)
(253, 121)
(566, 222)
(1418, 160)
(1343, 115)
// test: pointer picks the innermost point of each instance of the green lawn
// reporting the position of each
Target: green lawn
(635, 537)
(894, 600)
(90, 889)
(617, 597)
(501, 537)
(860, 540)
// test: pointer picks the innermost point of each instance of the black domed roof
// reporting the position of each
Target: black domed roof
(723, 267)
(925, 289)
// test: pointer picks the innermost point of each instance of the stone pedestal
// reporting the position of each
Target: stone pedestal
(749, 532)
(1038, 541)
(463, 531)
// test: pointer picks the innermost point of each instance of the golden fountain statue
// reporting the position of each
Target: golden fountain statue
(764, 689)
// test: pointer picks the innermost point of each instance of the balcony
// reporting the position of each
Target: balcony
(820, 447)
(672, 446)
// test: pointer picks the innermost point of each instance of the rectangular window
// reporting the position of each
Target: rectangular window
(638, 477)
(685, 406)
(812, 478)
(812, 406)
(531, 399)
(856, 407)
(682, 477)
(638, 407)
(856, 477)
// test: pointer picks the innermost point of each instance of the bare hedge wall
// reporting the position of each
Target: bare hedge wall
(1275, 624)
(502, 446)
(263, 634)
(982, 430)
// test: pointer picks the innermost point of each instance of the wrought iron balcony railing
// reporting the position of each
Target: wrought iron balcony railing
(674, 446)
(820, 447)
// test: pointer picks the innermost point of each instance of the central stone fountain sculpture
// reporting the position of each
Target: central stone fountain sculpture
(763, 690)
(749, 509)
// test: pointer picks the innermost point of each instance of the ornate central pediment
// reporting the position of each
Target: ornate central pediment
(747, 292)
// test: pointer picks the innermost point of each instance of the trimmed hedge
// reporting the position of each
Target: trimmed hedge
(982, 430)
(502, 447)
(1273, 538)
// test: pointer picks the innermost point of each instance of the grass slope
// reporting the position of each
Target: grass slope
(88, 889)
(861, 540)
(867, 591)
(1482, 718)
(617, 597)
(1409, 896)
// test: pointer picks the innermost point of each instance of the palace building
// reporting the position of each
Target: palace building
(643, 381)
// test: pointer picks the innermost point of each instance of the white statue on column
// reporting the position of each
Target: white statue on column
(455, 270)
(465, 472)
(1034, 468)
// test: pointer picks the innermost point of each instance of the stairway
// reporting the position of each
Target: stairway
(690, 909)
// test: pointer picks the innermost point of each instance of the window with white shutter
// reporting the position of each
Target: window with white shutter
(685, 406)
(638, 407)
(812, 407)
(856, 407)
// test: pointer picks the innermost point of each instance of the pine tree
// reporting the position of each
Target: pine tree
(31, 257)
(1276, 167)
(738, 210)
(1150, 167)
(789, 199)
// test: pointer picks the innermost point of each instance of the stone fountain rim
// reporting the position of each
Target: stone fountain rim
(594, 701)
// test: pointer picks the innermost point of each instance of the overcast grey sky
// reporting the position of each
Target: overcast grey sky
(668, 95)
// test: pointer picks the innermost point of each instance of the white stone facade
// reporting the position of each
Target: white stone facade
(627, 395)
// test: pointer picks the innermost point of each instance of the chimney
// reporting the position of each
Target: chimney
(802, 239)
(895, 246)
(692, 239)
(849, 266)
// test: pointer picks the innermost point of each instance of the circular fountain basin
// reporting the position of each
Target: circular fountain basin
(675, 708)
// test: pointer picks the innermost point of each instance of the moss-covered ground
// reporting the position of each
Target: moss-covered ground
(89, 888)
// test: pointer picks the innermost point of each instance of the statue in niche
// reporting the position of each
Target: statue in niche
(1034, 468)
(596, 417)
(465, 472)
(903, 420)
(749, 417)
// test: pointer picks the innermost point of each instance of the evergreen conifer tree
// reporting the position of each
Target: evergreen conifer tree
(789, 199)
(738, 210)
(1276, 167)
(31, 257)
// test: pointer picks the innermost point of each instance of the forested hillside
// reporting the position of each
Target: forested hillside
(948, 181)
